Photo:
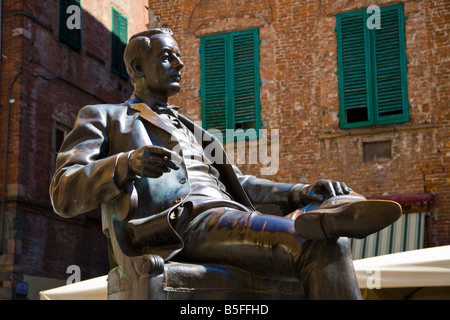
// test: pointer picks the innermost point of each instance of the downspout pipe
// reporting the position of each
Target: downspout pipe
(5, 169)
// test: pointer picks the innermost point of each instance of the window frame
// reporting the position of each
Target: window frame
(230, 84)
(371, 70)
(64, 130)
(65, 35)
(117, 62)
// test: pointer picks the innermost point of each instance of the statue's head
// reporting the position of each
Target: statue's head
(153, 62)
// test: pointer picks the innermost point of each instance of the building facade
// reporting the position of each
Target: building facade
(348, 90)
(57, 56)
(355, 91)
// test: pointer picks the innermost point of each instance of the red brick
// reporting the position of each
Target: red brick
(300, 97)
(56, 82)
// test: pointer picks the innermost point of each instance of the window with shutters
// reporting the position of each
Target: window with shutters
(60, 132)
(372, 68)
(230, 82)
(119, 40)
(69, 32)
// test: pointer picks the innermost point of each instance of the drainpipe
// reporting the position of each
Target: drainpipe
(2, 214)
(5, 169)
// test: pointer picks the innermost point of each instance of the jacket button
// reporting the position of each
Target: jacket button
(183, 180)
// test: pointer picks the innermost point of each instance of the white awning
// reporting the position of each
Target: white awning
(92, 289)
(404, 235)
(417, 268)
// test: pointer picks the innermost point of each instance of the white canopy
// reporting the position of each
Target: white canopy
(417, 268)
(92, 289)
(411, 269)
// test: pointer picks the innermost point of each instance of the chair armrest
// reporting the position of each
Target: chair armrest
(148, 265)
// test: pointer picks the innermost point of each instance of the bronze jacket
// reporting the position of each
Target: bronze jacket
(103, 136)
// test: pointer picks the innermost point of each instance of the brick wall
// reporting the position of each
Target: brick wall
(299, 94)
(54, 84)
(10, 89)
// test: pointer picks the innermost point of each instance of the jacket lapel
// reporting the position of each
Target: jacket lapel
(148, 114)
(225, 169)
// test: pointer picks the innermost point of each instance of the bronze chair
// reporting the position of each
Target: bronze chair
(137, 276)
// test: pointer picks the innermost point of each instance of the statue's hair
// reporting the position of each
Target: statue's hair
(139, 46)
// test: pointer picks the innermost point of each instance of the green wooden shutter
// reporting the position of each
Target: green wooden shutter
(123, 30)
(245, 79)
(390, 83)
(123, 44)
(115, 42)
(230, 81)
(353, 69)
(119, 40)
(213, 79)
(372, 68)
(71, 37)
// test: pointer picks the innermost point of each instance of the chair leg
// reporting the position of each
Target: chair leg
(131, 281)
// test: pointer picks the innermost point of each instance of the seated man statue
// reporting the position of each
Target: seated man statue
(209, 207)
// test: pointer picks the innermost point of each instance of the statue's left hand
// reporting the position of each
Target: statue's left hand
(322, 189)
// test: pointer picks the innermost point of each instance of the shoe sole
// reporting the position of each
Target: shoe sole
(354, 220)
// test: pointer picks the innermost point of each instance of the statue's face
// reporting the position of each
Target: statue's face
(162, 67)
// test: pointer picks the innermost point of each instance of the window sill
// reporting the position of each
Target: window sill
(371, 131)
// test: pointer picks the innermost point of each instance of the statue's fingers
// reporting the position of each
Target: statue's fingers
(330, 189)
(337, 188)
(346, 189)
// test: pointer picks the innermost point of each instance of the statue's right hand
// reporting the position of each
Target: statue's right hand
(152, 161)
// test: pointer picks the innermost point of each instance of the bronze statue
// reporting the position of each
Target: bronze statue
(184, 207)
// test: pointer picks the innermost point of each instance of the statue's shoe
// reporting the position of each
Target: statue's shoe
(347, 216)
